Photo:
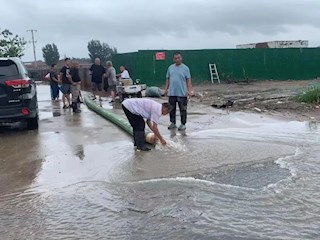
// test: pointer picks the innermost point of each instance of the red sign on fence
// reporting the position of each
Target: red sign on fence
(160, 56)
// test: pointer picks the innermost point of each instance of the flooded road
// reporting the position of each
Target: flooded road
(233, 176)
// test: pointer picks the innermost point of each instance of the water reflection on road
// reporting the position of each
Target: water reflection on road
(232, 176)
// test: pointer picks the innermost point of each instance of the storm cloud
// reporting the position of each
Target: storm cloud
(160, 24)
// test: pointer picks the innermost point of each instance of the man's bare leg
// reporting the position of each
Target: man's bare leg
(100, 94)
(113, 95)
(64, 100)
(68, 99)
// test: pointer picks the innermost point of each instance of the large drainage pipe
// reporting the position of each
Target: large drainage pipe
(115, 119)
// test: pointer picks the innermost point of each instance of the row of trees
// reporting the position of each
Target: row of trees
(13, 46)
(95, 47)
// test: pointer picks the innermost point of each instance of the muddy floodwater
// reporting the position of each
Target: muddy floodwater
(231, 176)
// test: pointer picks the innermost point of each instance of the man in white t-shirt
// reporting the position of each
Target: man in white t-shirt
(136, 110)
(124, 73)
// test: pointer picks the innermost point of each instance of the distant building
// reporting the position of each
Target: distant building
(276, 44)
(32, 66)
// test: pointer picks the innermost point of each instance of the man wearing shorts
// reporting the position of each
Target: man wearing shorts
(66, 83)
(97, 73)
(112, 80)
(75, 87)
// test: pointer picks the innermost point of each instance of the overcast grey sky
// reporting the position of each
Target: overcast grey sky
(131, 25)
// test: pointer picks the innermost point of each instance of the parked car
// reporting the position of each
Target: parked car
(18, 94)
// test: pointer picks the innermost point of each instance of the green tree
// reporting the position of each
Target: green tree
(100, 50)
(11, 45)
(50, 54)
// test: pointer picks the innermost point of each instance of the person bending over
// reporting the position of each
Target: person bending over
(136, 110)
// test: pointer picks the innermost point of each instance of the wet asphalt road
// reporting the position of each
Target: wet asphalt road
(26, 154)
(70, 148)
(233, 176)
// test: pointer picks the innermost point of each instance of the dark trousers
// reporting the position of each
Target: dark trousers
(136, 121)
(54, 92)
(182, 103)
(138, 124)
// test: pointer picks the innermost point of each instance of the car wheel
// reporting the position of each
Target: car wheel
(32, 123)
(139, 95)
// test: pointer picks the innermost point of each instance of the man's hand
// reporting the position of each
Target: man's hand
(166, 92)
(163, 142)
(190, 93)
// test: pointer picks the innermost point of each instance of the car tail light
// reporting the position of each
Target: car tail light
(18, 83)
(25, 111)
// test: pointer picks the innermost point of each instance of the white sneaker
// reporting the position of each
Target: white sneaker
(182, 127)
(172, 126)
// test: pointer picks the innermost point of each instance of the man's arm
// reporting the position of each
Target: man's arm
(154, 128)
(107, 73)
(53, 78)
(167, 87)
(69, 76)
(56, 80)
(103, 74)
(149, 124)
(189, 87)
(61, 76)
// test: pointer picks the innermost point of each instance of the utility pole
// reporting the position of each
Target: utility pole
(34, 45)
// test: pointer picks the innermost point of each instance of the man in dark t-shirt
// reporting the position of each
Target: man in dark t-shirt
(66, 82)
(97, 73)
(75, 87)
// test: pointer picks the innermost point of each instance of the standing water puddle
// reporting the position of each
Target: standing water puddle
(258, 182)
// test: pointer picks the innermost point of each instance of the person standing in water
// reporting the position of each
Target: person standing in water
(112, 80)
(136, 110)
(54, 82)
(75, 87)
(178, 88)
(97, 73)
(66, 82)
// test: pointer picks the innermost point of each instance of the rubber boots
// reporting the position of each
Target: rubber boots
(134, 139)
(75, 108)
(140, 141)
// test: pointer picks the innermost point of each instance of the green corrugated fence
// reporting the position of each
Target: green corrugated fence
(232, 64)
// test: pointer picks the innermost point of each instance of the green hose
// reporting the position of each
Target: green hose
(115, 119)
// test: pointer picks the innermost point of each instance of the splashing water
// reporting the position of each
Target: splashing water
(172, 145)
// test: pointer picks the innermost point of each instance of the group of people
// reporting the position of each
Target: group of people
(68, 81)
(178, 88)
(106, 78)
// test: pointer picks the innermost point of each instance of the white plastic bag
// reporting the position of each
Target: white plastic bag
(47, 77)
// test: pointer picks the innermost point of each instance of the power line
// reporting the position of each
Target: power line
(34, 45)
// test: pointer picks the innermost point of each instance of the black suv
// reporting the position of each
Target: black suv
(18, 94)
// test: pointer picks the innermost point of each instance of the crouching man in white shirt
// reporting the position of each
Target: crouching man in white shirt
(136, 110)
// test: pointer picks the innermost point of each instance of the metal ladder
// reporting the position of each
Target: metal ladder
(214, 73)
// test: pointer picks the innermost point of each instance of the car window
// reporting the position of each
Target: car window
(8, 68)
(24, 70)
